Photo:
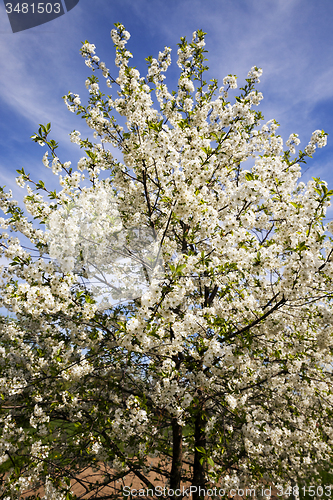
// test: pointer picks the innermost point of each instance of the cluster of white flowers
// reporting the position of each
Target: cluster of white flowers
(46, 160)
(292, 142)
(56, 166)
(254, 74)
(118, 34)
(319, 138)
(20, 181)
(230, 80)
(51, 492)
(88, 48)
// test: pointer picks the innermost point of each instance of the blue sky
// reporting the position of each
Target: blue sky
(292, 40)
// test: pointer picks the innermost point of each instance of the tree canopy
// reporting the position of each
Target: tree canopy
(174, 316)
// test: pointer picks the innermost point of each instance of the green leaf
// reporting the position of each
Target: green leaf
(208, 150)
(183, 124)
(155, 126)
(40, 185)
(53, 144)
(179, 268)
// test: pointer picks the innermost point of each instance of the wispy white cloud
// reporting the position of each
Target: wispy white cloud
(38, 67)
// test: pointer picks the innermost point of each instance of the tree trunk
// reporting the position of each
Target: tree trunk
(199, 479)
(177, 456)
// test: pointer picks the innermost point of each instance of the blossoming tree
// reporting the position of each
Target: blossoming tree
(218, 370)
